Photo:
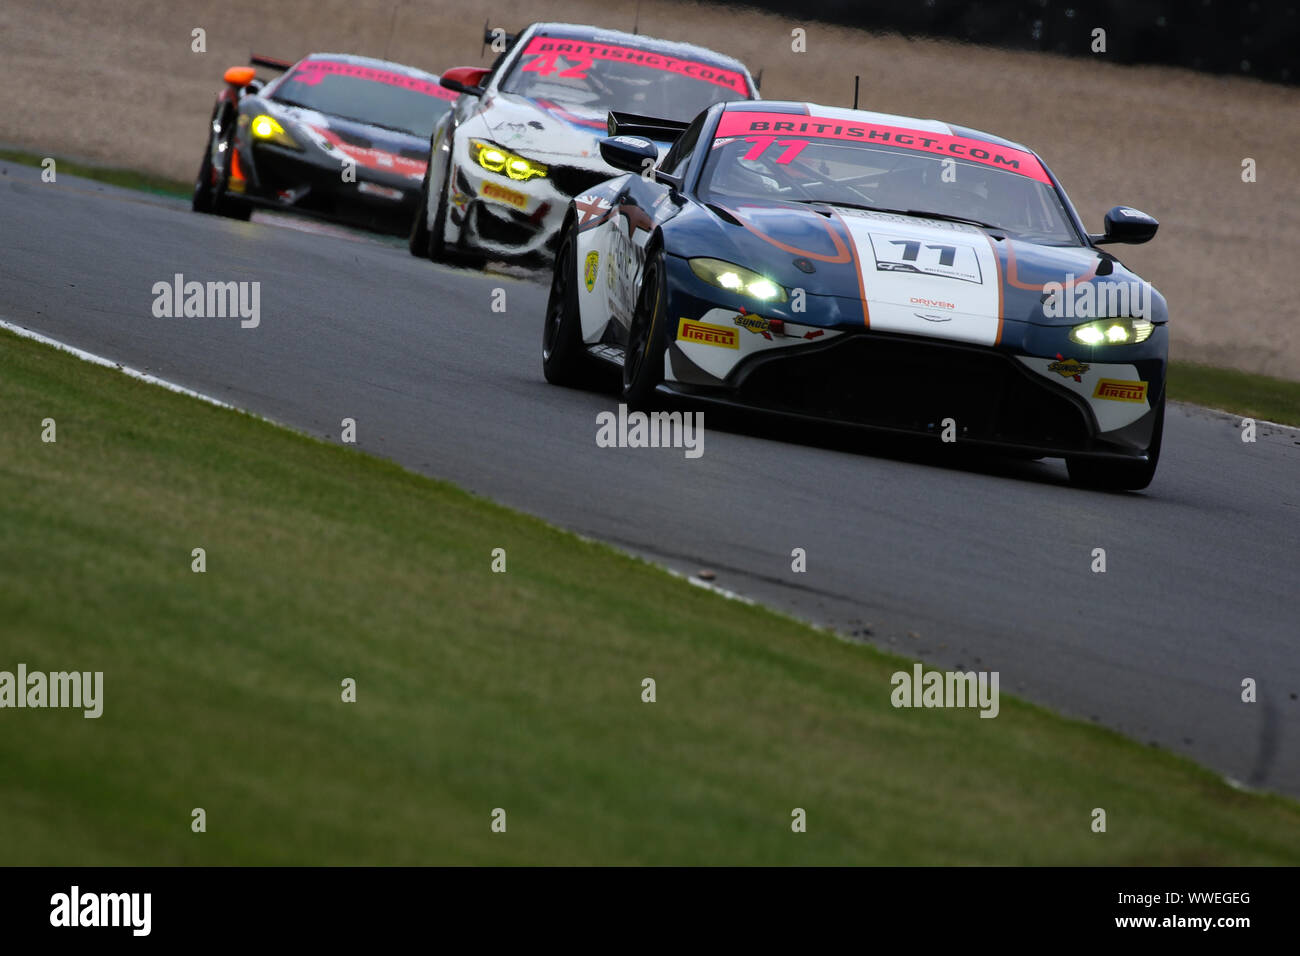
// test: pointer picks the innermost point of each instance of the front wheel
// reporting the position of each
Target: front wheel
(564, 362)
(417, 241)
(1121, 475)
(643, 359)
(201, 201)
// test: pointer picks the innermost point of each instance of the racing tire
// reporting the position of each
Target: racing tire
(1120, 475)
(564, 360)
(643, 359)
(417, 241)
(435, 249)
(222, 203)
(201, 201)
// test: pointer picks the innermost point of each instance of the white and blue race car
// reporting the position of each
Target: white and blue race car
(522, 139)
(884, 271)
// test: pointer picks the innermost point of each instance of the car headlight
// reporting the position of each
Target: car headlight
(268, 129)
(735, 279)
(1121, 331)
(505, 163)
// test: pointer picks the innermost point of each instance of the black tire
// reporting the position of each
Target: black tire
(435, 248)
(1121, 475)
(564, 360)
(201, 201)
(417, 241)
(223, 204)
(643, 359)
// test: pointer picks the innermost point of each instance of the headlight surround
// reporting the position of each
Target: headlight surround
(1118, 331)
(501, 161)
(733, 278)
(268, 129)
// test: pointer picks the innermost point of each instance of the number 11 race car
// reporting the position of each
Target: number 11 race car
(858, 267)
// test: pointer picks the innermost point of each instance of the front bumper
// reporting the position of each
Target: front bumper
(1026, 394)
(495, 215)
(281, 178)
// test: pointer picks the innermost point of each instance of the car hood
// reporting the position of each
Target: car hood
(915, 275)
(373, 148)
(548, 131)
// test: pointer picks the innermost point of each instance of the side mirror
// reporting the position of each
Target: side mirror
(1126, 224)
(628, 153)
(465, 79)
(240, 76)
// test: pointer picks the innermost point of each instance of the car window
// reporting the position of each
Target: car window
(409, 104)
(1002, 187)
(606, 76)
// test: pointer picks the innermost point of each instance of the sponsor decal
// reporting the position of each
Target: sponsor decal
(1068, 368)
(589, 271)
(754, 323)
(573, 58)
(313, 71)
(689, 330)
(956, 260)
(931, 303)
(1120, 391)
(592, 210)
(755, 124)
(491, 190)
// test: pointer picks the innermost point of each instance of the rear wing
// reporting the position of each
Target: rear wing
(270, 62)
(651, 127)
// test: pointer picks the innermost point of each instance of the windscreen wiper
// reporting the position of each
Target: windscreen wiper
(920, 213)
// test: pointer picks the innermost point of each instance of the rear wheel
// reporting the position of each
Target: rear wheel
(564, 361)
(643, 360)
(1121, 475)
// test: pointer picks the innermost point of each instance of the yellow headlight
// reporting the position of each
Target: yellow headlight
(497, 160)
(264, 127)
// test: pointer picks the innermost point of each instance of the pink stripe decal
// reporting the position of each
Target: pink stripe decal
(572, 50)
(785, 125)
(313, 71)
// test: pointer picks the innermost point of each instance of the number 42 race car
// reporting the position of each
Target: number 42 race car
(859, 267)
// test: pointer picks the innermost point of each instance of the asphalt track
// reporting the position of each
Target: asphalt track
(962, 563)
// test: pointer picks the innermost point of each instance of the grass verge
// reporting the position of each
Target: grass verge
(1242, 393)
(128, 178)
(475, 690)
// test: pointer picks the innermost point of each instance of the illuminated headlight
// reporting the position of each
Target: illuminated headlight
(268, 129)
(1112, 332)
(735, 279)
(505, 163)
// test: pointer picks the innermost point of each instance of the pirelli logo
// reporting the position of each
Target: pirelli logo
(1120, 391)
(493, 191)
(706, 334)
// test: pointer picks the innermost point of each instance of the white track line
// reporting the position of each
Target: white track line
(109, 363)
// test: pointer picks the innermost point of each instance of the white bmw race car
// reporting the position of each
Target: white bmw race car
(522, 139)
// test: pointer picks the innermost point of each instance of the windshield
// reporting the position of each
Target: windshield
(603, 76)
(793, 157)
(409, 104)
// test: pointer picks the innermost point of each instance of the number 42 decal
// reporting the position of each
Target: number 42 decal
(544, 63)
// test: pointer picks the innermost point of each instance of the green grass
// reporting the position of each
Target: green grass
(1243, 393)
(115, 176)
(475, 690)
